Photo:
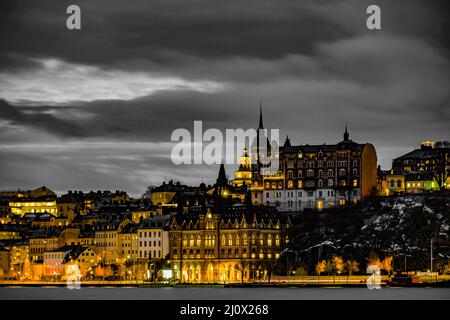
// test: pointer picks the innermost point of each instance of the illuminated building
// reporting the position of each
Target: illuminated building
(165, 195)
(243, 176)
(421, 170)
(317, 176)
(237, 191)
(10, 231)
(43, 240)
(77, 236)
(225, 245)
(389, 183)
(137, 216)
(153, 237)
(16, 263)
(4, 260)
(228, 241)
(41, 200)
(56, 262)
(128, 242)
(107, 240)
(67, 208)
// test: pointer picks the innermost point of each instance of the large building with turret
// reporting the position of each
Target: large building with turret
(312, 176)
(227, 240)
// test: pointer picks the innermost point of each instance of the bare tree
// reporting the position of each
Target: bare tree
(242, 266)
(441, 171)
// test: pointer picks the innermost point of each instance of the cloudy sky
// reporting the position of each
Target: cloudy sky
(94, 109)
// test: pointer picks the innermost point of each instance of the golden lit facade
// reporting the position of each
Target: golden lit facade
(421, 170)
(16, 258)
(318, 176)
(40, 200)
(138, 216)
(232, 246)
(243, 176)
(128, 243)
(58, 262)
(107, 241)
(42, 243)
(21, 207)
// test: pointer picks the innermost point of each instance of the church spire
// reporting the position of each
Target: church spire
(222, 178)
(287, 142)
(261, 126)
(346, 135)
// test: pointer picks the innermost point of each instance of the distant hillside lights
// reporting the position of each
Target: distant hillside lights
(422, 170)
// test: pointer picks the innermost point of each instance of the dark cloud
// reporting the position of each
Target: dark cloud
(39, 118)
(313, 63)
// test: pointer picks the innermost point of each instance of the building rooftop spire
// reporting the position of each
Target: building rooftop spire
(346, 135)
(222, 178)
(261, 126)
(287, 142)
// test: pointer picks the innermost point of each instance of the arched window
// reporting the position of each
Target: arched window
(184, 241)
(330, 173)
(261, 240)
(222, 240)
(319, 184)
(269, 240)
(392, 183)
(290, 184)
(238, 240)
(355, 172)
(330, 182)
(199, 241)
(300, 184)
(230, 240)
(253, 239)
(244, 239)
(310, 173)
(277, 240)
(191, 241)
(399, 183)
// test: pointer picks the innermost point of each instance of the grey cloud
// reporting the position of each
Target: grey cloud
(313, 63)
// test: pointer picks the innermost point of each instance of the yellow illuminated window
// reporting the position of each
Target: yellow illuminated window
(245, 240)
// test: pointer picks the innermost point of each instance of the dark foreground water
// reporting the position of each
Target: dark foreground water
(132, 293)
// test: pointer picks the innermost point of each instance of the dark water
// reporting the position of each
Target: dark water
(87, 293)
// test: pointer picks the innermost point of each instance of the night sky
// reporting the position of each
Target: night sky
(94, 109)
